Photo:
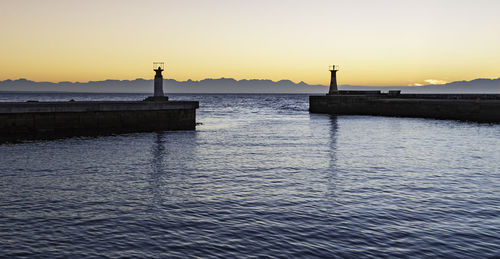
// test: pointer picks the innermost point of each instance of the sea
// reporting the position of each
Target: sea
(261, 177)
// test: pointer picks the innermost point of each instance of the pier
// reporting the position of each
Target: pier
(33, 119)
(465, 107)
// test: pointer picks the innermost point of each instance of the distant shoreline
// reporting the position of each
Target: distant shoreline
(232, 86)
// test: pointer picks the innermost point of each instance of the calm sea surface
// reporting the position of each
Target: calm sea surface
(261, 177)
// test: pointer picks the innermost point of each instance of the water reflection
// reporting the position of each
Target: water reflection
(173, 166)
(332, 171)
(332, 142)
(157, 165)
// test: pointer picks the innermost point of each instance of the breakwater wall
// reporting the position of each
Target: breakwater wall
(54, 119)
(466, 107)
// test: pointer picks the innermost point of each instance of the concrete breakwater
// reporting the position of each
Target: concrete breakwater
(467, 107)
(49, 119)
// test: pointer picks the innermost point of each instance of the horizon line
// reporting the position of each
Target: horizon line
(238, 80)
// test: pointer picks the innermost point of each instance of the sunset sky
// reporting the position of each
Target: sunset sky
(376, 42)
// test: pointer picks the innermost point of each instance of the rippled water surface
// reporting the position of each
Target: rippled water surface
(261, 177)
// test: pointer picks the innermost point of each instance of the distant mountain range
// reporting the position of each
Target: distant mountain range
(229, 85)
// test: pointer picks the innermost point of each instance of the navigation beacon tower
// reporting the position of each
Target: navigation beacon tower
(158, 67)
(158, 95)
(333, 81)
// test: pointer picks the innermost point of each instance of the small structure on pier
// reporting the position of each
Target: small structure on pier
(333, 80)
(158, 94)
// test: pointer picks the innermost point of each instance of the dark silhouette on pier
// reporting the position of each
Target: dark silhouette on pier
(333, 80)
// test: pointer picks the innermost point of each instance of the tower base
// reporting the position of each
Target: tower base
(335, 92)
(156, 99)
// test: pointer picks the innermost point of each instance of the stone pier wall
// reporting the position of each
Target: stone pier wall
(478, 108)
(46, 119)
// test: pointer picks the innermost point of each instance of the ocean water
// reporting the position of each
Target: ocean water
(260, 177)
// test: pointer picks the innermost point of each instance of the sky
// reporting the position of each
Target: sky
(375, 42)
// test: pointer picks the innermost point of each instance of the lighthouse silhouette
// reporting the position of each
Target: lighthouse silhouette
(158, 67)
(333, 80)
(158, 94)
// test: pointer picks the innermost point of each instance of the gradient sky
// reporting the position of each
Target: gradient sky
(376, 42)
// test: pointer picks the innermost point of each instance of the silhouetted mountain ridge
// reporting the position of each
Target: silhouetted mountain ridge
(231, 85)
